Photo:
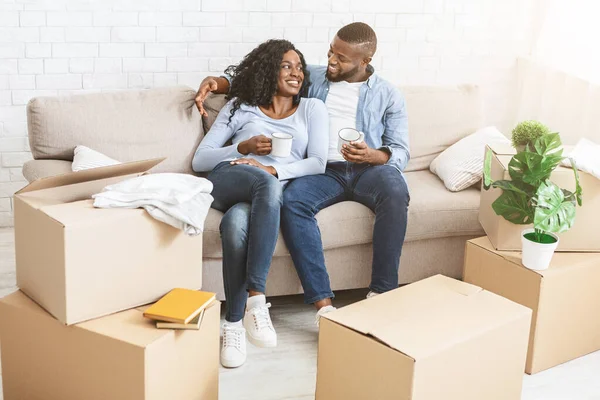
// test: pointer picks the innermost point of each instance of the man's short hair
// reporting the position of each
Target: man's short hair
(359, 33)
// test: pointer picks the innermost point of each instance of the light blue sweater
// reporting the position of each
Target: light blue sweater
(309, 126)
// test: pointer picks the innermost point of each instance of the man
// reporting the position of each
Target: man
(368, 171)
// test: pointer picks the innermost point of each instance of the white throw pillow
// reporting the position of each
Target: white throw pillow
(461, 165)
(86, 158)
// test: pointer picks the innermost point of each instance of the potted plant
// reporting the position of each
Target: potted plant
(529, 197)
(526, 132)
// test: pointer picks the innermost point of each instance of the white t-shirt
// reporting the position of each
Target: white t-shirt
(342, 104)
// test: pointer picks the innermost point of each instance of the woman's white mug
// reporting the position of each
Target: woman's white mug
(281, 144)
(347, 135)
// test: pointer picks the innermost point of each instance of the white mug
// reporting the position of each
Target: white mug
(347, 135)
(281, 144)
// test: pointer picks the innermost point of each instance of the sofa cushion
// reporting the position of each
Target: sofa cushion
(36, 169)
(438, 116)
(127, 126)
(434, 212)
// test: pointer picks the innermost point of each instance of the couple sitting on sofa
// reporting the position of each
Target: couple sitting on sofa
(273, 90)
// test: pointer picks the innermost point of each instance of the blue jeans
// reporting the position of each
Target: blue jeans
(251, 200)
(382, 188)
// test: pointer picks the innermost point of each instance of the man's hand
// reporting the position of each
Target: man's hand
(360, 153)
(209, 84)
(214, 84)
(259, 145)
(254, 163)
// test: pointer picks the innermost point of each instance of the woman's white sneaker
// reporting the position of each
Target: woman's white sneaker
(257, 322)
(233, 348)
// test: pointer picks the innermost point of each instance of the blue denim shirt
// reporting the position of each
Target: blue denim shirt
(380, 115)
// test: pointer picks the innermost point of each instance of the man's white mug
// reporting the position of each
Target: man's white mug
(281, 144)
(347, 135)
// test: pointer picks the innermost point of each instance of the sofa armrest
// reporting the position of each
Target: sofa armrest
(36, 169)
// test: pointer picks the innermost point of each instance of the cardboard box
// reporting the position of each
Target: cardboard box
(583, 236)
(81, 262)
(438, 338)
(119, 357)
(564, 299)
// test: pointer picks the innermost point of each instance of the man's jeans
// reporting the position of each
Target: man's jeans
(251, 200)
(382, 188)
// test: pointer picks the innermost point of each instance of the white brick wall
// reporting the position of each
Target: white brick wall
(71, 46)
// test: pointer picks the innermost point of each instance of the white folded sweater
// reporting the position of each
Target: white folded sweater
(180, 200)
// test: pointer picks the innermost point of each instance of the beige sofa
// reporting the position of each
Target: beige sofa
(134, 125)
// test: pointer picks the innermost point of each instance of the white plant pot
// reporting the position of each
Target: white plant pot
(537, 256)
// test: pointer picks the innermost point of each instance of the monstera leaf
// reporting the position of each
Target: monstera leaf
(532, 168)
(553, 212)
(578, 191)
(514, 206)
(487, 169)
(548, 144)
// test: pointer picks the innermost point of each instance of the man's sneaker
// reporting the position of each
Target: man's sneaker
(322, 311)
(371, 294)
(257, 322)
(233, 349)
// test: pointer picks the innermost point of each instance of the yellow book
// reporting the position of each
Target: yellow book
(179, 306)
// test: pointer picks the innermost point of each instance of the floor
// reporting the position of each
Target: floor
(288, 371)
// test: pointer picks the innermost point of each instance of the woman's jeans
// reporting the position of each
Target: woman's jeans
(251, 200)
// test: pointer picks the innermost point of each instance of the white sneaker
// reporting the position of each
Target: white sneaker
(322, 311)
(233, 349)
(372, 294)
(257, 322)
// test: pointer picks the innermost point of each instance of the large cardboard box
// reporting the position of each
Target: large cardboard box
(81, 262)
(564, 299)
(119, 357)
(438, 338)
(504, 235)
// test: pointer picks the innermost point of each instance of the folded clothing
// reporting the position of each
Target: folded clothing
(586, 155)
(180, 200)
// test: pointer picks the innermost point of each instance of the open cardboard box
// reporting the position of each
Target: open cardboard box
(438, 338)
(564, 299)
(583, 236)
(120, 356)
(80, 262)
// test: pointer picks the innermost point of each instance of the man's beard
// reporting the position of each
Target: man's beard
(341, 76)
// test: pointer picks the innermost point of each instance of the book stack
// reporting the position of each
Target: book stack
(76, 328)
(180, 309)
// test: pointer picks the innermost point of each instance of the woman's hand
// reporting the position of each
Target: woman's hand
(254, 163)
(259, 145)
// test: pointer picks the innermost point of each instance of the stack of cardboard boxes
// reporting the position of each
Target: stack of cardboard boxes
(565, 297)
(75, 329)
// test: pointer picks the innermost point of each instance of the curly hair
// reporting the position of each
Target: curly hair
(254, 79)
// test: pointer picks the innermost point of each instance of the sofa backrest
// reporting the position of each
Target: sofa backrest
(438, 116)
(127, 126)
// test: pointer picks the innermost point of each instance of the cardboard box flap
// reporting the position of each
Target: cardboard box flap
(502, 148)
(92, 174)
(426, 317)
(560, 261)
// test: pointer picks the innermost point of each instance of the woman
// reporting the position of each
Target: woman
(265, 97)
